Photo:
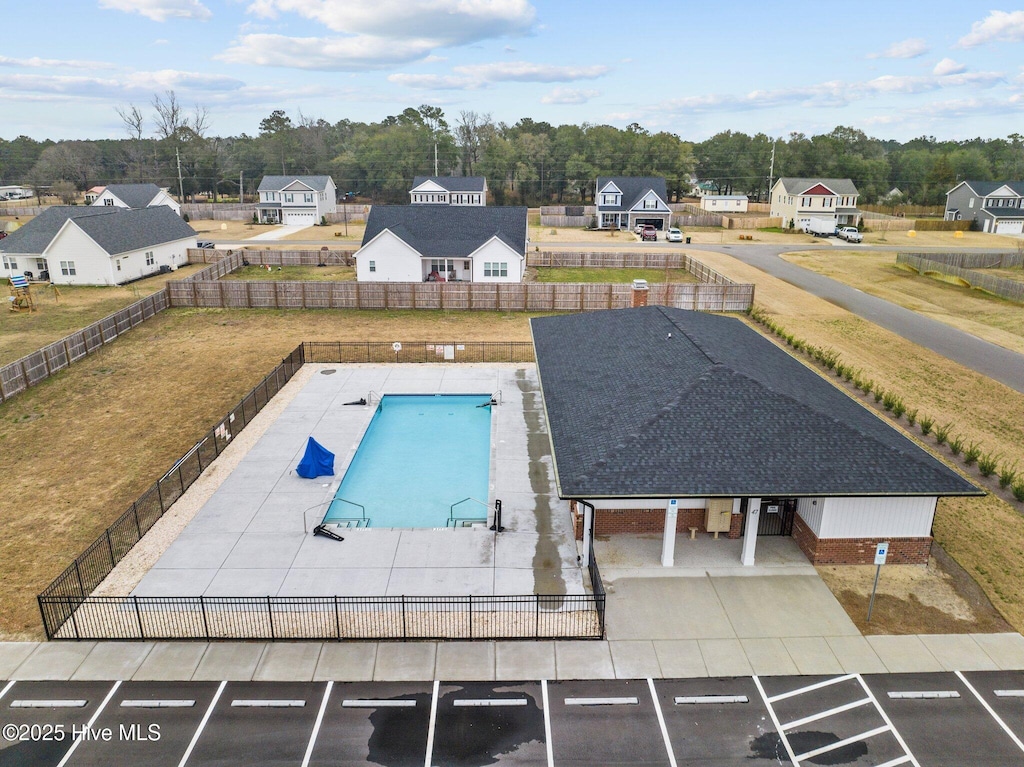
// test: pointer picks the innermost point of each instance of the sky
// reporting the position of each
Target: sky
(896, 70)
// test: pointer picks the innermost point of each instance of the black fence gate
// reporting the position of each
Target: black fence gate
(776, 516)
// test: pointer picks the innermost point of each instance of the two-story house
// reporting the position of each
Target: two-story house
(134, 196)
(296, 200)
(826, 200)
(625, 201)
(996, 206)
(448, 190)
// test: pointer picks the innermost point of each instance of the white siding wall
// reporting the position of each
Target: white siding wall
(92, 263)
(165, 199)
(108, 195)
(497, 251)
(134, 266)
(906, 517)
(649, 503)
(810, 510)
(395, 261)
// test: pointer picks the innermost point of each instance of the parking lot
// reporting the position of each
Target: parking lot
(917, 719)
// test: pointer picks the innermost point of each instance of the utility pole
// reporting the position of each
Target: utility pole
(435, 158)
(181, 184)
(241, 189)
(771, 172)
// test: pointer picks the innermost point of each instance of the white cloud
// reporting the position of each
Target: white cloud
(568, 96)
(141, 84)
(527, 72)
(998, 26)
(332, 54)
(161, 41)
(435, 82)
(949, 67)
(160, 10)
(36, 62)
(905, 49)
(449, 22)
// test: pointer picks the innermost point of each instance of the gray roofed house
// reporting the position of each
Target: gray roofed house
(448, 190)
(828, 201)
(625, 201)
(135, 196)
(414, 243)
(994, 206)
(650, 404)
(277, 183)
(107, 245)
(296, 200)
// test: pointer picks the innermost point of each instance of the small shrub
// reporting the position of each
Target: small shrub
(879, 393)
(889, 400)
(1018, 490)
(956, 445)
(798, 344)
(850, 373)
(829, 358)
(185, 218)
(987, 464)
(971, 453)
(912, 416)
(898, 408)
(867, 385)
(255, 218)
(1007, 474)
(840, 369)
(942, 433)
(323, 220)
(926, 425)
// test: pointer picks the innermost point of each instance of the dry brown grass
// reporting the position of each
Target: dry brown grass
(906, 241)
(76, 450)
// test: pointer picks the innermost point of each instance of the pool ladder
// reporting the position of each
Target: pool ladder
(361, 521)
(454, 521)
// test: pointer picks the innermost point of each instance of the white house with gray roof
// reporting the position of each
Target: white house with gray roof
(134, 196)
(424, 243)
(830, 201)
(994, 206)
(296, 200)
(448, 190)
(106, 245)
(624, 201)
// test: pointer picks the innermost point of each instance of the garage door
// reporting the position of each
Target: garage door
(298, 219)
(657, 223)
(1010, 227)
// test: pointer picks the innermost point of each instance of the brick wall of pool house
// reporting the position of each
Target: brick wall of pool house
(858, 551)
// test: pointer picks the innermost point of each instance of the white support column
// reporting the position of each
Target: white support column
(668, 540)
(750, 531)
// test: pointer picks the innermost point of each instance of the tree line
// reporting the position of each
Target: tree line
(529, 162)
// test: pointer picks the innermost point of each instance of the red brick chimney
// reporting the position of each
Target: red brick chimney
(640, 291)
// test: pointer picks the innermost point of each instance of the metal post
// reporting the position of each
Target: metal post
(871, 604)
(138, 617)
(337, 618)
(405, 632)
(110, 548)
(202, 608)
(81, 586)
(496, 527)
(270, 615)
(138, 525)
(470, 616)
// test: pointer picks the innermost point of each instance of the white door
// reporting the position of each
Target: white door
(1010, 227)
(299, 219)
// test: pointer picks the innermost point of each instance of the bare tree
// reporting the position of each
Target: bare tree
(133, 120)
(170, 118)
(135, 153)
(469, 134)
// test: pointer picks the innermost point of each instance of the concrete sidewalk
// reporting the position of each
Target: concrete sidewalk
(487, 661)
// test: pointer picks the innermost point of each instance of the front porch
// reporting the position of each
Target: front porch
(269, 213)
(446, 269)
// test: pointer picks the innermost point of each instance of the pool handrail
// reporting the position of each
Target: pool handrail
(451, 512)
(361, 518)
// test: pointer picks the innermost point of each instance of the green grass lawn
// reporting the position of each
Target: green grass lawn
(331, 273)
(586, 274)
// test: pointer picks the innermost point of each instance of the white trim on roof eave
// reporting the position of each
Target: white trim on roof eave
(60, 231)
(487, 242)
(394, 236)
(611, 184)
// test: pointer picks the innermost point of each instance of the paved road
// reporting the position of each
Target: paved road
(917, 719)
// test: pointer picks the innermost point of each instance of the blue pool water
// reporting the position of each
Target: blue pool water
(420, 454)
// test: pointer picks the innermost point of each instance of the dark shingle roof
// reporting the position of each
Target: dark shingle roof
(633, 188)
(449, 230)
(800, 185)
(453, 183)
(277, 183)
(134, 195)
(985, 188)
(34, 237)
(715, 410)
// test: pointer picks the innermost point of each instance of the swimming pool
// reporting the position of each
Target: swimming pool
(419, 455)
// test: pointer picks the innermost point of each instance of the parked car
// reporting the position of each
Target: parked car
(638, 229)
(205, 244)
(849, 233)
(649, 233)
(674, 235)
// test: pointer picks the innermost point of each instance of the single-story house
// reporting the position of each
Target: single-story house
(448, 190)
(665, 419)
(92, 193)
(417, 243)
(724, 203)
(828, 200)
(87, 245)
(296, 200)
(625, 201)
(134, 196)
(995, 206)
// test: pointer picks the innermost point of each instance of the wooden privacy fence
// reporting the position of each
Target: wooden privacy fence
(968, 278)
(973, 260)
(750, 222)
(306, 257)
(469, 296)
(42, 363)
(626, 260)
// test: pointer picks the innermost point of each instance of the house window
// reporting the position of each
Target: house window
(11, 263)
(496, 269)
(150, 260)
(650, 204)
(67, 268)
(805, 202)
(289, 198)
(117, 263)
(465, 265)
(607, 199)
(41, 264)
(109, 202)
(373, 266)
(307, 198)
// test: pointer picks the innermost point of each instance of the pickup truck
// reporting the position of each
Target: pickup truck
(849, 233)
(649, 233)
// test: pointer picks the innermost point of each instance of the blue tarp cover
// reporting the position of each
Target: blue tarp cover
(317, 462)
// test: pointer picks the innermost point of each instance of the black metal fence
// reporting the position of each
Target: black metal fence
(69, 612)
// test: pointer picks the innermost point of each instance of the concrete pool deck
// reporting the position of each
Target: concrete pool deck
(253, 536)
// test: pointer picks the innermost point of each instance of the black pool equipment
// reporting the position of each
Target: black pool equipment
(327, 533)
(360, 401)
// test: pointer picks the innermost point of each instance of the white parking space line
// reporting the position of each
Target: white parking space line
(775, 720)
(490, 702)
(267, 703)
(684, 700)
(202, 725)
(661, 723)
(810, 688)
(824, 714)
(991, 711)
(89, 726)
(433, 724)
(998, 693)
(547, 722)
(7, 687)
(898, 760)
(885, 718)
(602, 701)
(316, 725)
(49, 703)
(844, 742)
(157, 703)
(366, 703)
(923, 694)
